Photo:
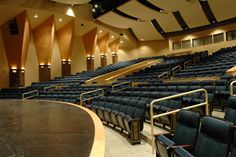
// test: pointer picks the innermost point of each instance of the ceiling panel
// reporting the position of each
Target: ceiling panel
(116, 20)
(168, 22)
(223, 9)
(137, 9)
(170, 5)
(194, 15)
(146, 31)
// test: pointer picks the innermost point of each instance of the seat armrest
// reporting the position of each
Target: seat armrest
(181, 152)
(165, 134)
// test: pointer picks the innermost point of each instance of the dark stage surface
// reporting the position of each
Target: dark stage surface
(44, 129)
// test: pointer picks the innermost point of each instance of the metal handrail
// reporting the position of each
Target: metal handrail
(176, 69)
(177, 110)
(30, 92)
(187, 63)
(163, 76)
(89, 92)
(120, 84)
(231, 87)
(49, 87)
(196, 59)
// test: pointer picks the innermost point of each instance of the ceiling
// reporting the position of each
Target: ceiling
(170, 15)
(146, 19)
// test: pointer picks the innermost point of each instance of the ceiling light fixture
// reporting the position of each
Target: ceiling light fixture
(121, 41)
(70, 12)
(96, 6)
(112, 36)
(100, 31)
(36, 16)
(142, 39)
(93, 10)
(60, 19)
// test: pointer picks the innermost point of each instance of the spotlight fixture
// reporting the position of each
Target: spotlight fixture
(142, 39)
(112, 36)
(100, 31)
(60, 19)
(96, 6)
(36, 16)
(70, 12)
(93, 10)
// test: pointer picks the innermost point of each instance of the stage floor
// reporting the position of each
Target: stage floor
(32, 128)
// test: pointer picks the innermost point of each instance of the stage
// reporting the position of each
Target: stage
(32, 128)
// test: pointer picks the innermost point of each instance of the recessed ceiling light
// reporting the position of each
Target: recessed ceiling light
(213, 21)
(161, 11)
(142, 39)
(70, 12)
(186, 28)
(121, 41)
(36, 16)
(93, 10)
(100, 31)
(112, 36)
(60, 19)
(96, 6)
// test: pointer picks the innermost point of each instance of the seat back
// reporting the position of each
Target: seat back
(185, 134)
(230, 113)
(187, 127)
(233, 151)
(214, 138)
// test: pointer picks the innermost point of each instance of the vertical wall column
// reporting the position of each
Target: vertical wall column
(103, 45)
(90, 40)
(16, 36)
(44, 39)
(65, 37)
(44, 73)
(114, 46)
(66, 68)
(114, 58)
(103, 60)
(90, 62)
(17, 77)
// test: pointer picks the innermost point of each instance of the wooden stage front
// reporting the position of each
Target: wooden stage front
(33, 128)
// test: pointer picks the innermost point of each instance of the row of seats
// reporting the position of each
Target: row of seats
(215, 65)
(213, 140)
(151, 73)
(120, 112)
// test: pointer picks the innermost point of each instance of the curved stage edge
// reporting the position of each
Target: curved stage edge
(49, 128)
(98, 149)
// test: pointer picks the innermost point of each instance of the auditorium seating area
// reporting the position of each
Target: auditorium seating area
(121, 112)
(81, 77)
(130, 106)
(151, 73)
(215, 65)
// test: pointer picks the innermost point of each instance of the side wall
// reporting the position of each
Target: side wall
(4, 70)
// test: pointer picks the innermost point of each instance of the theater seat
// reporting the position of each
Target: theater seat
(185, 134)
(230, 113)
(213, 140)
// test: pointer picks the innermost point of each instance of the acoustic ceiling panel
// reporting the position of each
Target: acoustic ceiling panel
(139, 10)
(146, 31)
(116, 20)
(223, 10)
(194, 15)
(170, 5)
(168, 22)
